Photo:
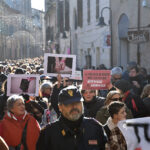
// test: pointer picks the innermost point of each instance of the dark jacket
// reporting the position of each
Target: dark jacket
(3, 102)
(91, 108)
(54, 98)
(135, 104)
(58, 136)
(140, 80)
(147, 105)
(103, 114)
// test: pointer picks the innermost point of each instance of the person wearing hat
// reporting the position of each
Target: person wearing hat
(72, 130)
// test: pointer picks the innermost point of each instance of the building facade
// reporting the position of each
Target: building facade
(131, 28)
(72, 24)
(89, 40)
(22, 35)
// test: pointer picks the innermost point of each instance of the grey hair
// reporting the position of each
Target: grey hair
(11, 100)
(116, 71)
(46, 85)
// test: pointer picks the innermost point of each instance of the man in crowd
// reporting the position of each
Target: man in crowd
(72, 131)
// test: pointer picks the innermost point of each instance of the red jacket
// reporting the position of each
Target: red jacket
(12, 130)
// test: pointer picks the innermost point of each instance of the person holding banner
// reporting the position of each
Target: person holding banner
(116, 140)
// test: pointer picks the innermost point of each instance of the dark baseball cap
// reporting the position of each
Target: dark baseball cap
(69, 95)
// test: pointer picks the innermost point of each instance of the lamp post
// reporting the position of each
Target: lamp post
(102, 23)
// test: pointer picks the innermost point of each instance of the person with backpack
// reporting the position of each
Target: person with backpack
(132, 101)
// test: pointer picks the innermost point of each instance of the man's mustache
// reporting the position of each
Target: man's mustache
(74, 109)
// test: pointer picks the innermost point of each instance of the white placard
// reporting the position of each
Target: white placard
(23, 84)
(63, 64)
(136, 133)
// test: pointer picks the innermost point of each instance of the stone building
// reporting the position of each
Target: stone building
(131, 28)
(72, 25)
(88, 39)
(22, 34)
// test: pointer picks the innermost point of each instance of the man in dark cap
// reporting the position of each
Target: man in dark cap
(72, 131)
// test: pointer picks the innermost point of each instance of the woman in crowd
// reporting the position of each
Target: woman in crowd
(103, 114)
(116, 140)
(19, 129)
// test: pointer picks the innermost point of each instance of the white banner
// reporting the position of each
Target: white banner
(136, 133)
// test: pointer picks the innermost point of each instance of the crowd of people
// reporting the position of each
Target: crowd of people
(66, 116)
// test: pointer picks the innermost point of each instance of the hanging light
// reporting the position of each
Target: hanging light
(101, 22)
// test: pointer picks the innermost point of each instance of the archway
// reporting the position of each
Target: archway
(123, 52)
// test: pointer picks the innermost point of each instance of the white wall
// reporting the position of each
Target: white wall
(90, 36)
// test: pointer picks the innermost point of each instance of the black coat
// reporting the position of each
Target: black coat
(57, 136)
(91, 108)
(3, 103)
(131, 99)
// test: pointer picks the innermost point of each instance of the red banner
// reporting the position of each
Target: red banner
(96, 79)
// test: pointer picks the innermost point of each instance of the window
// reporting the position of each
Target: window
(67, 15)
(88, 12)
(60, 17)
(80, 12)
(97, 9)
(75, 19)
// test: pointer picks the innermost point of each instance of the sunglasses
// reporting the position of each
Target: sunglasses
(117, 99)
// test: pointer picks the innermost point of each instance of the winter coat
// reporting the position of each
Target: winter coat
(13, 128)
(103, 114)
(3, 101)
(58, 136)
(116, 140)
(135, 104)
(91, 108)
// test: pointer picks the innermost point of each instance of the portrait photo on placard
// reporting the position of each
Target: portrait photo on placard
(23, 84)
(59, 64)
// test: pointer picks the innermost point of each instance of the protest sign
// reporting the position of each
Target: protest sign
(76, 76)
(136, 133)
(96, 79)
(55, 64)
(23, 84)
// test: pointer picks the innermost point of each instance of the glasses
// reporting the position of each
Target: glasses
(117, 99)
(117, 78)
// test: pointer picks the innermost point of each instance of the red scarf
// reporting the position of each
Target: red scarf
(133, 101)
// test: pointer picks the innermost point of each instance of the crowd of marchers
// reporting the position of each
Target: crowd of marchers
(66, 116)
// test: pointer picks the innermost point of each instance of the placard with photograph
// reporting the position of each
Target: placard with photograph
(96, 79)
(55, 64)
(23, 84)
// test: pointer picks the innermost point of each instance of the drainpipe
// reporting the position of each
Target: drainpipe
(138, 27)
